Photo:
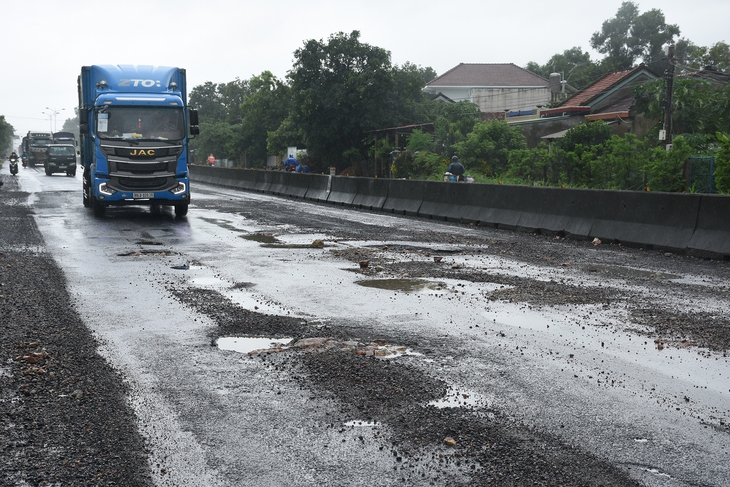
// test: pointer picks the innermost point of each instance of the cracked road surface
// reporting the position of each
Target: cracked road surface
(395, 351)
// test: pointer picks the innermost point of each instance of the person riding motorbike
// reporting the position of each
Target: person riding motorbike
(291, 164)
(456, 168)
(13, 158)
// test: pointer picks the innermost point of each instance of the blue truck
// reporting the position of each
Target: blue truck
(134, 125)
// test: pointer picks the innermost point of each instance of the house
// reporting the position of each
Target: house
(494, 88)
(610, 98)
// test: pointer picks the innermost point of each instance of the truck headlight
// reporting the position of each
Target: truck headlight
(106, 190)
(180, 188)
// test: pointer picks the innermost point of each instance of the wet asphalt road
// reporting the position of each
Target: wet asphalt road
(577, 363)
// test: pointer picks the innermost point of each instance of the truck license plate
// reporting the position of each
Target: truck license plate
(143, 195)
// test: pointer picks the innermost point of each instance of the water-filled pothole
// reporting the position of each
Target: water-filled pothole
(145, 252)
(457, 399)
(618, 271)
(404, 285)
(264, 238)
(249, 344)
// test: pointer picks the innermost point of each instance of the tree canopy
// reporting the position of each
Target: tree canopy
(630, 36)
(6, 136)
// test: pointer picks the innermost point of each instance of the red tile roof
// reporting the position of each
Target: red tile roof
(488, 75)
(597, 88)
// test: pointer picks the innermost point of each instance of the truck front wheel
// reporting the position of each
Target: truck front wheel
(181, 210)
(98, 207)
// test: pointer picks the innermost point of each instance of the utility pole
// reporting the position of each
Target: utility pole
(669, 77)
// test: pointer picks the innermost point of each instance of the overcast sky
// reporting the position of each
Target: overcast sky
(45, 42)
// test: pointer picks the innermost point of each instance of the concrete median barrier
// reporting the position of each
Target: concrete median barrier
(248, 179)
(404, 196)
(546, 210)
(444, 201)
(683, 222)
(663, 220)
(712, 233)
(297, 185)
(343, 190)
(279, 181)
(318, 188)
(371, 193)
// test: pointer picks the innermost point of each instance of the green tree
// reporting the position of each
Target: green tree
(217, 139)
(630, 36)
(530, 165)
(452, 123)
(699, 108)
(263, 110)
(488, 145)
(574, 64)
(7, 133)
(691, 57)
(209, 102)
(575, 150)
(722, 164)
(338, 90)
(666, 167)
(620, 164)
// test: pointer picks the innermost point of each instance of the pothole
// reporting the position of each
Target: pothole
(618, 271)
(251, 344)
(458, 399)
(265, 238)
(146, 253)
(404, 285)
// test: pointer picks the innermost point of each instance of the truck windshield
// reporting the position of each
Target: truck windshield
(66, 150)
(155, 123)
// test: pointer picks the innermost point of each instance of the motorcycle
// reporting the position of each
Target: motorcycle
(452, 178)
(25, 161)
(13, 165)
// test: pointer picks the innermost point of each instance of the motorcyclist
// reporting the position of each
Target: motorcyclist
(291, 164)
(456, 168)
(13, 156)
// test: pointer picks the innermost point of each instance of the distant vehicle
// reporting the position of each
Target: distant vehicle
(64, 138)
(60, 158)
(35, 145)
(134, 123)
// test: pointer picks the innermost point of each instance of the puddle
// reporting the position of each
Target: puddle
(362, 424)
(404, 285)
(658, 473)
(249, 344)
(617, 271)
(144, 252)
(458, 399)
(264, 238)
(313, 245)
(391, 351)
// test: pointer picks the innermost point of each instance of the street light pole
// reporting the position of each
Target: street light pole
(55, 113)
(50, 120)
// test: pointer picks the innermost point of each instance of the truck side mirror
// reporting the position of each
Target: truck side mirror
(83, 121)
(193, 119)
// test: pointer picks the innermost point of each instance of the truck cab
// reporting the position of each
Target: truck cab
(134, 125)
(60, 158)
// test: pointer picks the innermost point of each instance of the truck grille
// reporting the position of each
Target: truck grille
(131, 184)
